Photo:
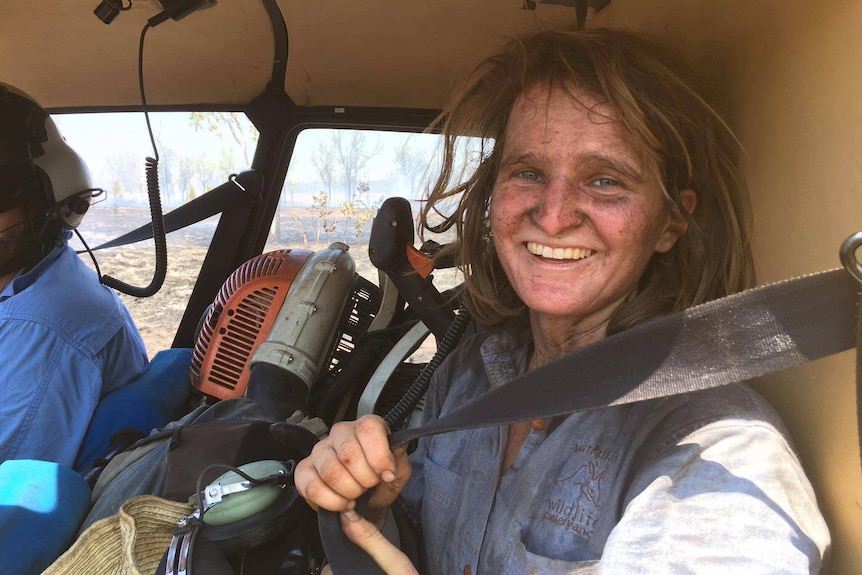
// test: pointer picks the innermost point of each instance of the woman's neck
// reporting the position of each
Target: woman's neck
(552, 340)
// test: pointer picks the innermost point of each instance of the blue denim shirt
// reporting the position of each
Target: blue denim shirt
(65, 342)
(701, 483)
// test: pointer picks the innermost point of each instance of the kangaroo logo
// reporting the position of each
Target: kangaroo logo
(589, 478)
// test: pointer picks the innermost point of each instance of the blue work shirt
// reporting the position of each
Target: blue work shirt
(704, 482)
(65, 342)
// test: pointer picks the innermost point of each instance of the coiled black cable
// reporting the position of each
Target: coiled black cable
(153, 193)
(152, 170)
(397, 416)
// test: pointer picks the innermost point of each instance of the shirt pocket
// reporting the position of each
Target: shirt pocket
(442, 485)
(526, 562)
(439, 503)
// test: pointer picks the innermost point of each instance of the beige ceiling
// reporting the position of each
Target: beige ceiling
(360, 53)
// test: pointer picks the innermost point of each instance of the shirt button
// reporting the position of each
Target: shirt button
(539, 425)
(467, 569)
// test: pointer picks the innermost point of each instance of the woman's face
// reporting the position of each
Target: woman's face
(575, 213)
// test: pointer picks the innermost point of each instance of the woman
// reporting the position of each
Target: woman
(610, 193)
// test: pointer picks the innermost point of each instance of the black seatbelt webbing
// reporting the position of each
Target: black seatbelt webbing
(724, 341)
(215, 201)
(739, 337)
(859, 372)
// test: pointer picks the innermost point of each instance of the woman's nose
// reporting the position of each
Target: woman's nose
(558, 207)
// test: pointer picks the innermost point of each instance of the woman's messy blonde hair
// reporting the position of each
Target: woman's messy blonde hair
(655, 100)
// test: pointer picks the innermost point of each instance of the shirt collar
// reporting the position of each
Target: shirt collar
(505, 352)
(24, 280)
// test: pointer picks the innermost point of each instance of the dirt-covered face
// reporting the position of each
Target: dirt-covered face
(575, 215)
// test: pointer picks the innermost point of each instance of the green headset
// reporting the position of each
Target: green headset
(243, 509)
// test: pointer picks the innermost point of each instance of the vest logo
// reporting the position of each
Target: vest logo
(578, 510)
(589, 478)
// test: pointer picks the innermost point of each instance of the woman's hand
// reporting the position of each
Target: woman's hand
(366, 535)
(353, 459)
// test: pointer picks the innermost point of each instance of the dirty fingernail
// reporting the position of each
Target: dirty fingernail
(351, 515)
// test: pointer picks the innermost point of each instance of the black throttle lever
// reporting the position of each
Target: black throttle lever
(391, 250)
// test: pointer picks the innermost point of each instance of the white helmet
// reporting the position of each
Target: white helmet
(33, 152)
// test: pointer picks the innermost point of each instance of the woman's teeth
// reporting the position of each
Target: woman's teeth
(558, 253)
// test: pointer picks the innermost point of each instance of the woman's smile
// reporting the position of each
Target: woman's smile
(558, 253)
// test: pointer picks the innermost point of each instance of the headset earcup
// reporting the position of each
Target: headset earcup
(259, 528)
(206, 559)
(241, 505)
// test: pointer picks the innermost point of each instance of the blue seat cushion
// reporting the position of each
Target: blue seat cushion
(41, 506)
(160, 395)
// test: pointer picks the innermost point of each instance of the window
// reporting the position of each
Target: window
(338, 178)
(197, 151)
(336, 181)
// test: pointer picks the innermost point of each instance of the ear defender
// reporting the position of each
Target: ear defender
(242, 509)
(231, 498)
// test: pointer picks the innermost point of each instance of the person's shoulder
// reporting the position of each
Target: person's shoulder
(462, 364)
(66, 297)
(72, 282)
(734, 406)
(737, 399)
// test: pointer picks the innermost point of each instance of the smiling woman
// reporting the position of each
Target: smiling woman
(784, 77)
(566, 183)
(598, 206)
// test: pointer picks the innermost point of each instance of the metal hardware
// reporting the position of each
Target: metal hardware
(580, 7)
(216, 492)
(178, 551)
(234, 181)
(848, 255)
(182, 565)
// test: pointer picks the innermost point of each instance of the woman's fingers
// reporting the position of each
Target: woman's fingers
(365, 535)
(354, 458)
(363, 448)
(387, 492)
(316, 490)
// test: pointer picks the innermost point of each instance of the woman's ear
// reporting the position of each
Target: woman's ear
(677, 224)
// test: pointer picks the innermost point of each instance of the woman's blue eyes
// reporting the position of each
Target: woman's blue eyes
(529, 175)
(606, 182)
(534, 176)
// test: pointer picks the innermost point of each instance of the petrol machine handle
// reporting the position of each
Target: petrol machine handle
(391, 250)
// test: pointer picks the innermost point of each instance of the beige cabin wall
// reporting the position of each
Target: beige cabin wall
(789, 81)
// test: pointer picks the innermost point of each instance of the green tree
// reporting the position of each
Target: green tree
(323, 159)
(320, 213)
(125, 169)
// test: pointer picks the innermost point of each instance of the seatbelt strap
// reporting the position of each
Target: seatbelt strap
(859, 372)
(245, 186)
(732, 339)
